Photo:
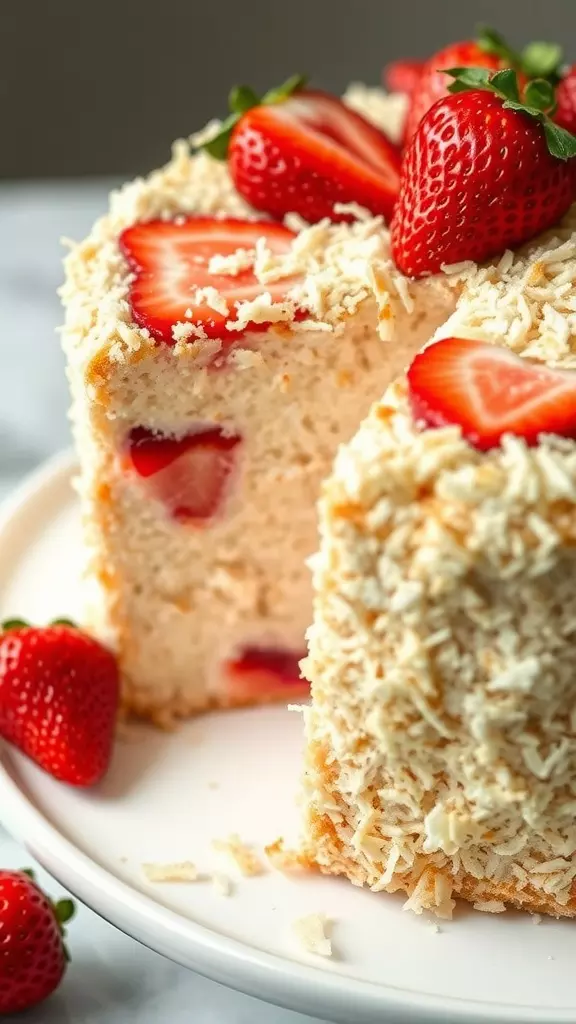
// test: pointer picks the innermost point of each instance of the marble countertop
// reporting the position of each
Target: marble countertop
(112, 979)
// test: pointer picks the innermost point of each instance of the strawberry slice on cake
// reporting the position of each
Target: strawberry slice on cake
(170, 261)
(489, 392)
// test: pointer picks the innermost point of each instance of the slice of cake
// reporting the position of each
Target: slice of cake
(441, 755)
(216, 362)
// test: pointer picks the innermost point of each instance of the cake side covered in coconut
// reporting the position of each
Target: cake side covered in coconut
(441, 753)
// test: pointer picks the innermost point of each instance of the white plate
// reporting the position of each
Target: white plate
(167, 797)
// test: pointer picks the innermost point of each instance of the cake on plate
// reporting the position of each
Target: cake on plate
(217, 359)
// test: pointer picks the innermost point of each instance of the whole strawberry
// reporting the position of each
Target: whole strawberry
(303, 151)
(58, 699)
(485, 172)
(33, 956)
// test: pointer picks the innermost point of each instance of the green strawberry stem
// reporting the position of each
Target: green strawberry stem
(539, 102)
(537, 60)
(241, 99)
(64, 622)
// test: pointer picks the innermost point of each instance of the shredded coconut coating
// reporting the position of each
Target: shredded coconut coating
(442, 734)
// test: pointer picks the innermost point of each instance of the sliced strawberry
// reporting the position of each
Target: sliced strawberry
(402, 75)
(191, 476)
(264, 672)
(310, 152)
(489, 391)
(170, 259)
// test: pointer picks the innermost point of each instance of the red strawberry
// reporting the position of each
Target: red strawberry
(260, 673)
(566, 99)
(33, 958)
(191, 475)
(170, 262)
(433, 82)
(403, 75)
(302, 151)
(489, 391)
(480, 176)
(58, 699)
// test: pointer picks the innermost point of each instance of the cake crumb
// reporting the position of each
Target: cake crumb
(536, 918)
(183, 871)
(284, 859)
(312, 933)
(490, 906)
(222, 884)
(246, 860)
(433, 927)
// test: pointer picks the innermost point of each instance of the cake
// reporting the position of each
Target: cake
(441, 756)
(204, 433)
(228, 327)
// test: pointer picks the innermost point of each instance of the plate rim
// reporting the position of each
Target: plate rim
(283, 981)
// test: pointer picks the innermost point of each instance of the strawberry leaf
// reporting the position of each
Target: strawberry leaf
(64, 622)
(538, 102)
(542, 60)
(217, 146)
(506, 83)
(540, 94)
(64, 910)
(467, 78)
(490, 41)
(560, 142)
(288, 88)
(241, 99)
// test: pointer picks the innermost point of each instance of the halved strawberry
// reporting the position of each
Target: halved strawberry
(402, 75)
(303, 151)
(264, 672)
(170, 259)
(489, 392)
(190, 475)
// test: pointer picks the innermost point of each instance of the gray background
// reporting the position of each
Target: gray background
(103, 87)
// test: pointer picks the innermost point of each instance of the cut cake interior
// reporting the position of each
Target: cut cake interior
(216, 614)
